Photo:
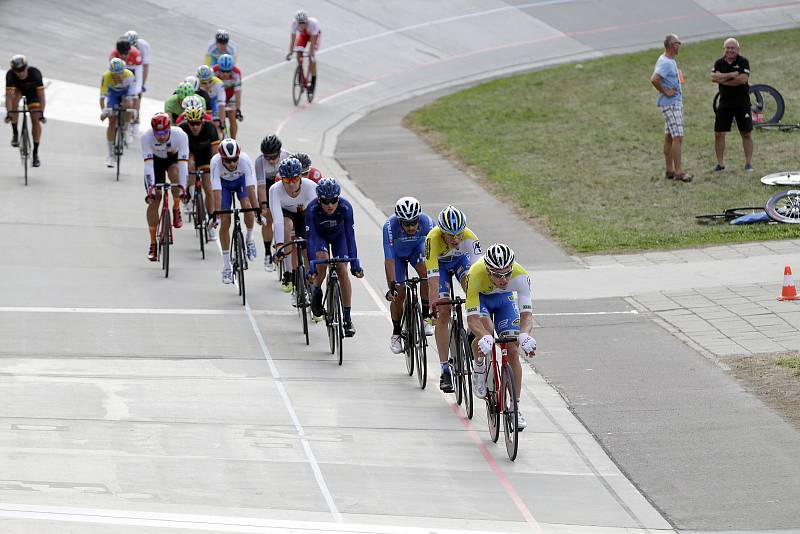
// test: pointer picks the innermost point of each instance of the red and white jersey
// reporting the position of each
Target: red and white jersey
(312, 27)
(176, 146)
(232, 83)
(132, 60)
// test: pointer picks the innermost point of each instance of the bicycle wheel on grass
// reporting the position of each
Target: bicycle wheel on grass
(421, 353)
(788, 178)
(297, 85)
(728, 214)
(784, 207)
(510, 418)
(765, 102)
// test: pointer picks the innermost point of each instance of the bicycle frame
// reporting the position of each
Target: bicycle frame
(198, 211)
(24, 135)
(301, 81)
(239, 259)
(333, 313)
(414, 331)
(164, 234)
(461, 368)
(300, 280)
(497, 381)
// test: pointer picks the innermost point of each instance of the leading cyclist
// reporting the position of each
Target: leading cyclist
(403, 244)
(305, 31)
(24, 80)
(491, 308)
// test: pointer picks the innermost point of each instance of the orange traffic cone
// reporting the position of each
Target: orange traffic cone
(789, 291)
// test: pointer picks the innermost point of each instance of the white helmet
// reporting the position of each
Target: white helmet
(407, 209)
(132, 36)
(499, 257)
(193, 101)
(301, 16)
(194, 81)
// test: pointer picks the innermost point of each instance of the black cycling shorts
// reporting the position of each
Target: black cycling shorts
(160, 166)
(299, 221)
(725, 116)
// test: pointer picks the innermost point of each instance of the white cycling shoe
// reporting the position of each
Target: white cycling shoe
(252, 252)
(396, 344)
(521, 421)
(479, 382)
(227, 276)
(269, 265)
(212, 234)
(110, 162)
(428, 327)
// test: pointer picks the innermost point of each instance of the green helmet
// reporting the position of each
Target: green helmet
(183, 90)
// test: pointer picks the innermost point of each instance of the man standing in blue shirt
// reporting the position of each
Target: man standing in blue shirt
(329, 222)
(666, 79)
(403, 244)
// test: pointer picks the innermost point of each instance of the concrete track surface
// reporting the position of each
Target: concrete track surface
(132, 403)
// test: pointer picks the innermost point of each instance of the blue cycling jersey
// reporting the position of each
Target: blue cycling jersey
(326, 229)
(398, 244)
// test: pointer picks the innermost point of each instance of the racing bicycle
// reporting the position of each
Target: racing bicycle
(334, 312)
(301, 81)
(25, 143)
(198, 211)
(501, 397)
(460, 358)
(238, 248)
(301, 286)
(413, 331)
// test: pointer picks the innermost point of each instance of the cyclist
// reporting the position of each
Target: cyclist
(231, 78)
(133, 62)
(216, 90)
(450, 249)
(144, 49)
(491, 307)
(305, 30)
(193, 101)
(194, 81)
(308, 171)
(116, 88)
(165, 149)
(288, 200)
(329, 220)
(203, 144)
(272, 153)
(404, 236)
(173, 104)
(232, 172)
(24, 80)
(221, 44)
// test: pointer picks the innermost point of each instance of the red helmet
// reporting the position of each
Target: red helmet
(160, 122)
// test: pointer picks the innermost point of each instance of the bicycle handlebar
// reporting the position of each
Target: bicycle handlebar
(234, 211)
(412, 281)
(506, 339)
(165, 185)
(458, 301)
(332, 261)
(197, 173)
(300, 242)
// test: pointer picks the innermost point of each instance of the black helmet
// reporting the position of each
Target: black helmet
(222, 36)
(123, 46)
(304, 160)
(18, 62)
(271, 145)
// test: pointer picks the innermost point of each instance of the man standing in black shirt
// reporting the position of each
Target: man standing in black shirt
(22, 80)
(732, 73)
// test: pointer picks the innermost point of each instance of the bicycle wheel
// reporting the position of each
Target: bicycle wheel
(510, 421)
(25, 146)
(339, 320)
(466, 358)
(302, 297)
(492, 409)
(119, 138)
(420, 342)
(164, 242)
(200, 221)
(310, 95)
(297, 85)
(407, 334)
(788, 178)
(768, 102)
(784, 207)
(240, 253)
(455, 363)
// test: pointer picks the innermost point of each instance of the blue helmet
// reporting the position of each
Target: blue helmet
(452, 220)
(290, 167)
(225, 62)
(116, 65)
(328, 188)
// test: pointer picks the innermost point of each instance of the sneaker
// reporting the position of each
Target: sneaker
(316, 305)
(36, 161)
(110, 162)
(152, 253)
(227, 276)
(396, 344)
(446, 382)
(177, 219)
(748, 168)
(252, 253)
(212, 234)
(349, 330)
(428, 327)
(14, 140)
(479, 382)
(521, 421)
(286, 282)
(269, 265)
(293, 298)
(718, 168)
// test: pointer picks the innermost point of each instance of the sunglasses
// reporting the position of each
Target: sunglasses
(20, 71)
(409, 224)
(230, 160)
(195, 123)
(161, 133)
(329, 201)
(272, 156)
(504, 275)
(290, 179)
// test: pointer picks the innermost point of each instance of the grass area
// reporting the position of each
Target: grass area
(789, 362)
(578, 147)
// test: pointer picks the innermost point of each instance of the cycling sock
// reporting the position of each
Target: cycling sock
(445, 367)
(268, 247)
(226, 259)
(347, 314)
(287, 263)
(396, 331)
(14, 128)
(35, 149)
(313, 83)
(249, 235)
(110, 149)
(152, 235)
(426, 308)
(317, 292)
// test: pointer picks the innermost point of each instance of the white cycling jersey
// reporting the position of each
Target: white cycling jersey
(280, 200)
(312, 27)
(266, 171)
(220, 173)
(144, 49)
(176, 146)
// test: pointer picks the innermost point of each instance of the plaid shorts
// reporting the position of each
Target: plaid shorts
(673, 119)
